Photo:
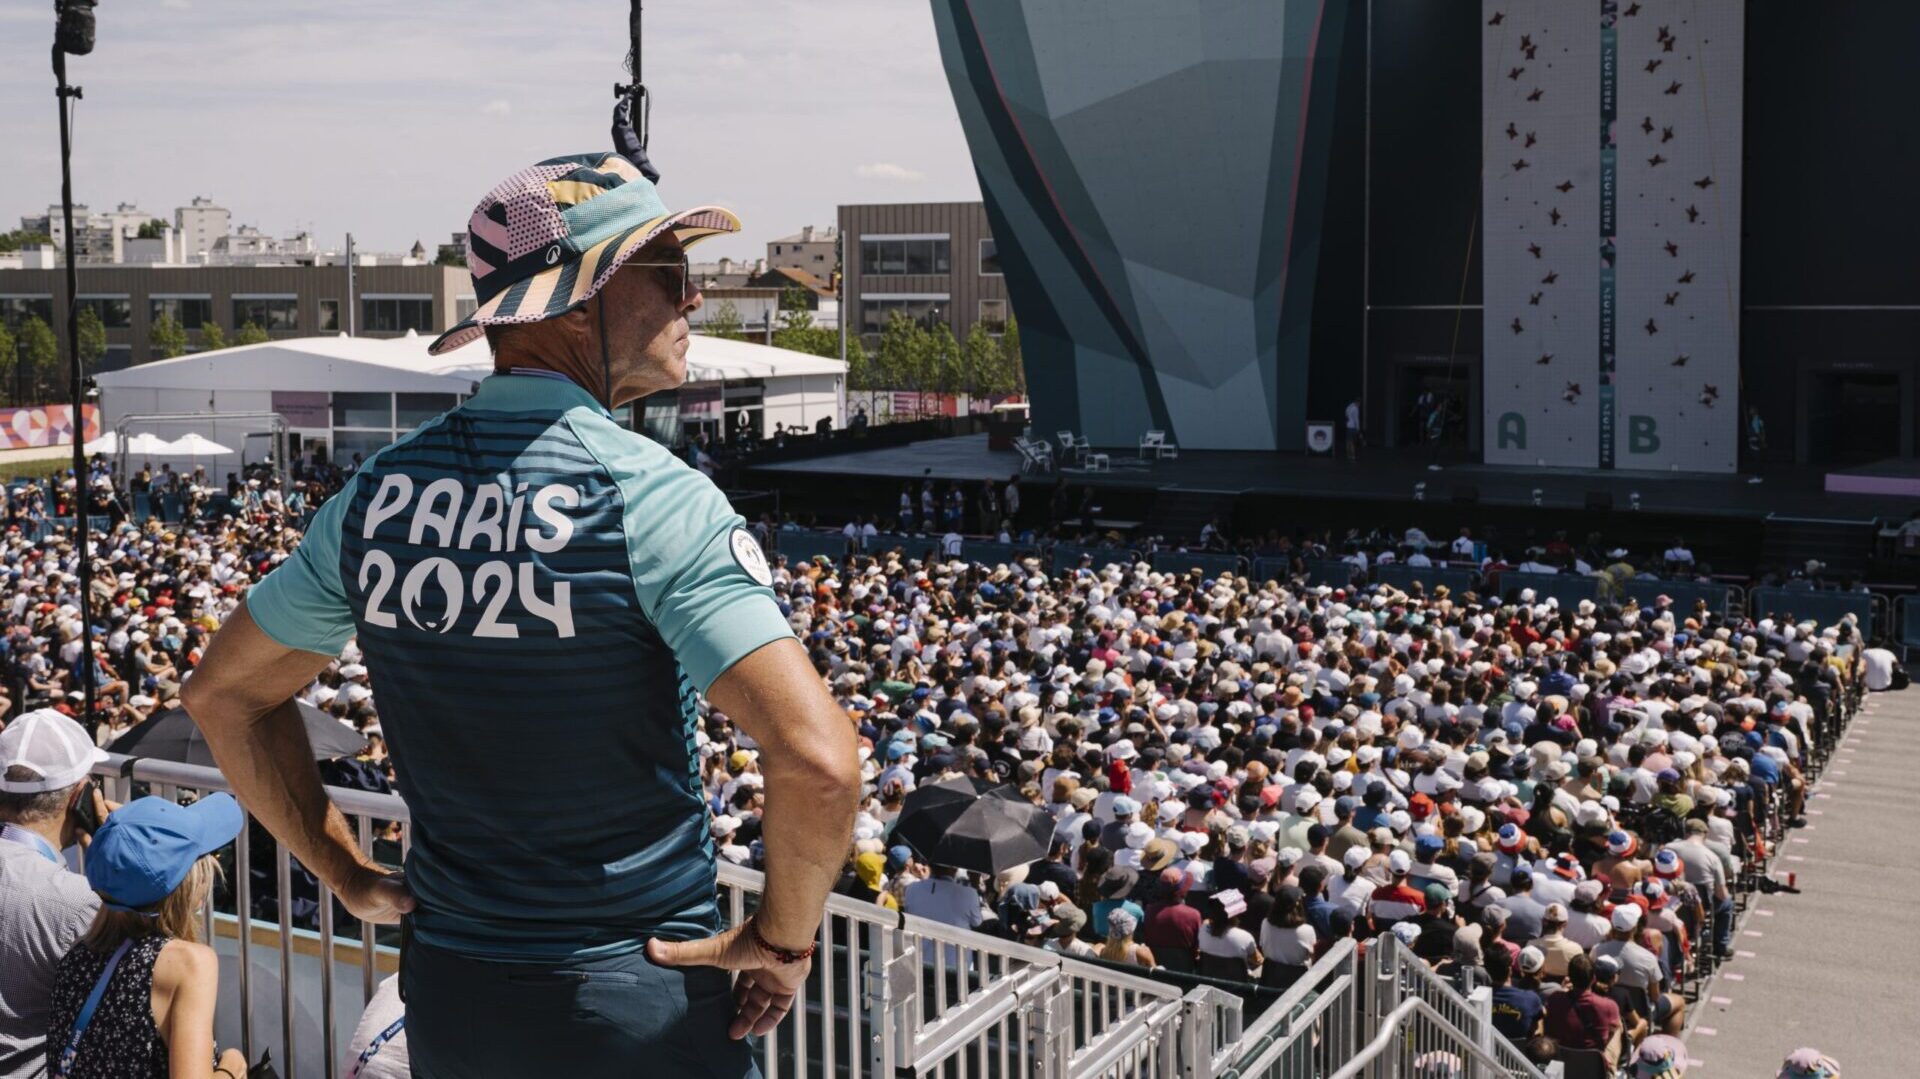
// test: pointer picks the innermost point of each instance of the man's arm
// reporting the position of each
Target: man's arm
(241, 696)
(812, 765)
(808, 755)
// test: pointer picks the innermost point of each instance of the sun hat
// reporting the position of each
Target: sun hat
(1809, 1064)
(1660, 1056)
(145, 848)
(547, 238)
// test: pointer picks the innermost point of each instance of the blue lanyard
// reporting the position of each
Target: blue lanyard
(65, 1066)
(373, 1046)
(28, 839)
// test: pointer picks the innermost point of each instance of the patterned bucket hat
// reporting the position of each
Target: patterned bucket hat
(548, 237)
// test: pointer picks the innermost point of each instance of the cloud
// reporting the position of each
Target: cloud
(499, 106)
(883, 170)
(176, 5)
(729, 61)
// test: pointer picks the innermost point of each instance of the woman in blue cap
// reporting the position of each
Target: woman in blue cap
(135, 998)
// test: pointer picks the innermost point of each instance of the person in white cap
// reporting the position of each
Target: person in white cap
(44, 908)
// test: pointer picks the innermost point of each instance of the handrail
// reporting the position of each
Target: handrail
(1390, 1028)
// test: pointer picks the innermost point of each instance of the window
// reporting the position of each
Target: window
(17, 309)
(364, 443)
(329, 316)
(116, 312)
(116, 358)
(396, 314)
(993, 315)
(364, 410)
(464, 307)
(989, 258)
(187, 312)
(776, 249)
(928, 311)
(413, 409)
(904, 255)
(270, 313)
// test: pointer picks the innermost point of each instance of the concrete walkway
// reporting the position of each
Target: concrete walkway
(1837, 966)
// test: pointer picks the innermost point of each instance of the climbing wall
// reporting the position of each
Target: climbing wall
(1610, 219)
(1540, 226)
(1678, 138)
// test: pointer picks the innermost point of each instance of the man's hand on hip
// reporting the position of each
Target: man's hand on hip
(373, 895)
(762, 994)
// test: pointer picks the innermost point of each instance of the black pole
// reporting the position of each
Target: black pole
(76, 389)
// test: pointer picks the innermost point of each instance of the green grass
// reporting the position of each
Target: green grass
(39, 468)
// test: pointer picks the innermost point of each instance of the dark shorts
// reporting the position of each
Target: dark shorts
(619, 1016)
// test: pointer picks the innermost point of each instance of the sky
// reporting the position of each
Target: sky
(391, 118)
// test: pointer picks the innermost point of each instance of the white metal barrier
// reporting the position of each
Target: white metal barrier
(890, 995)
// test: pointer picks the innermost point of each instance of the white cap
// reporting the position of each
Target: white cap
(48, 744)
(1356, 856)
(1399, 862)
(1626, 917)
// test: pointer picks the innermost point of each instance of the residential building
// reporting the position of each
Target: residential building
(756, 301)
(935, 261)
(202, 226)
(813, 249)
(286, 301)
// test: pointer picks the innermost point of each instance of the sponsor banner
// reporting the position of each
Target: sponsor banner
(45, 425)
(303, 408)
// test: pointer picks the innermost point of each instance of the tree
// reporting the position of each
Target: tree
(43, 357)
(796, 329)
(894, 365)
(450, 256)
(19, 238)
(1010, 356)
(166, 338)
(945, 360)
(250, 334)
(92, 339)
(152, 229)
(982, 370)
(212, 337)
(725, 322)
(8, 358)
(860, 369)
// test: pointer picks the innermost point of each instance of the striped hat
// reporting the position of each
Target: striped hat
(545, 239)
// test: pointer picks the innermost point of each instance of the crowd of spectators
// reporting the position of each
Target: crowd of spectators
(1562, 802)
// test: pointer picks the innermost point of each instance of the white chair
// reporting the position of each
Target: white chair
(1098, 462)
(1076, 447)
(1034, 455)
(1157, 442)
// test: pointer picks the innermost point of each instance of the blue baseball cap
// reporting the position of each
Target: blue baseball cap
(1124, 806)
(148, 846)
(1429, 844)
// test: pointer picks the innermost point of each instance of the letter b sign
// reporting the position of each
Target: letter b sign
(1643, 435)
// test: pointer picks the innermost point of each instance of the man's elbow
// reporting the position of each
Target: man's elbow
(826, 778)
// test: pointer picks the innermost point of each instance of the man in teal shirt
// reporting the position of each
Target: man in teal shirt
(540, 594)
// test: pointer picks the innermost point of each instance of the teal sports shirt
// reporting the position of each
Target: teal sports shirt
(538, 593)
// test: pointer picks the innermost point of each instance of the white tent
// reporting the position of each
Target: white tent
(327, 388)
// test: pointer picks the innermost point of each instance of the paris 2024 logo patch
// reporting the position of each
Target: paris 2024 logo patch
(747, 552)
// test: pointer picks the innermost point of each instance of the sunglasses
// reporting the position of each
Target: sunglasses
(669, 271)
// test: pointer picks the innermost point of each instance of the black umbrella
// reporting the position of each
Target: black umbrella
(172, 736)
(968, 824)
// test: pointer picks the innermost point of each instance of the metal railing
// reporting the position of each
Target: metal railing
(1416, 1042)
(889, 994)
(1313, 1028)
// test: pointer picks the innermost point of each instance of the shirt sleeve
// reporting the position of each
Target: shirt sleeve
(303, 604)
(700, 576)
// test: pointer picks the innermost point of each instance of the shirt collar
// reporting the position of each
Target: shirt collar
(16, 834)
(532, 389)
